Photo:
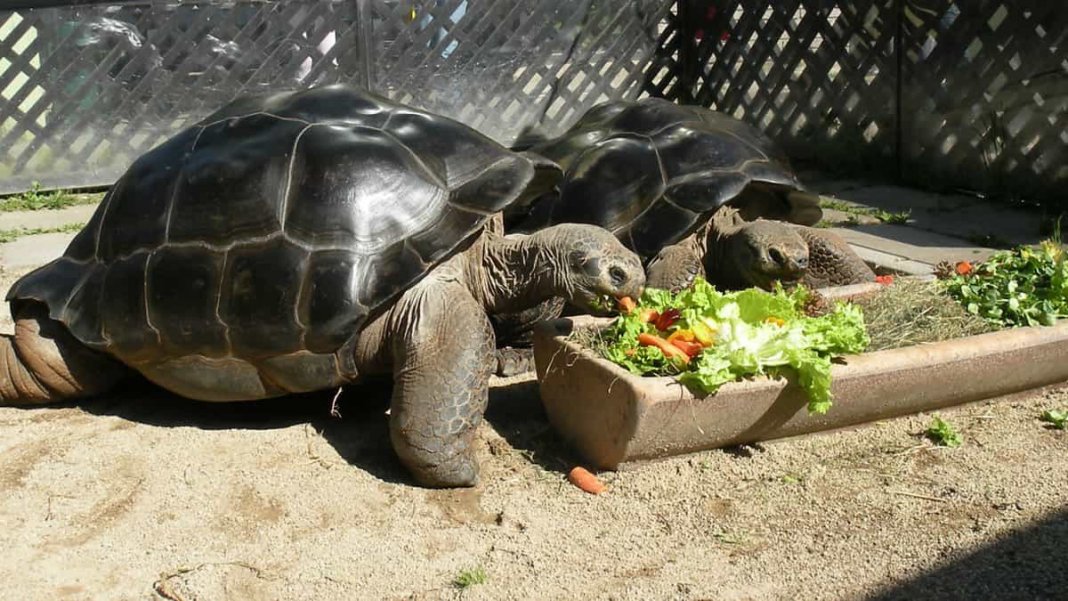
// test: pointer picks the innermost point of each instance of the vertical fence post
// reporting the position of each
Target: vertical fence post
(688, 66)
(366, 43)
(899, 56)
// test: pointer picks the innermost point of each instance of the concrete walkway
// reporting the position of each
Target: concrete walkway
(940, 227)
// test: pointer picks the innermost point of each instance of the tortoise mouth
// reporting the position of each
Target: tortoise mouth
(766, 279)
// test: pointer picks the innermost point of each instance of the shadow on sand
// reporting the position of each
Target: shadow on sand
(1022, 565)
(361, 433)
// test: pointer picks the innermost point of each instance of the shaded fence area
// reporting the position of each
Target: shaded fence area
(936, 93)
(85, 87)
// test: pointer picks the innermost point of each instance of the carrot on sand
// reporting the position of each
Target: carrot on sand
(582, 478)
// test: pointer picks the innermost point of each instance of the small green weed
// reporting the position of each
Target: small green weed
(730, 538)
(14, 234)
(856, 211)
(35, 199)
(468, 578)
(1058, 419)
(943, 433)
(898, 217)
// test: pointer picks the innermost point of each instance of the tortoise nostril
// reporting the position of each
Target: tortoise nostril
(618, 275)
(776, 256)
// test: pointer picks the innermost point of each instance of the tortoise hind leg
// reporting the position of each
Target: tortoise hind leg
(443, 355)
(44, 363)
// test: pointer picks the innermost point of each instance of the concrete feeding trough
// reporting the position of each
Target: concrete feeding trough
(612, 417)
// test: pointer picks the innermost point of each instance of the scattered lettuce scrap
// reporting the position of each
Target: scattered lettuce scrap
(752, 332)
(943, 433)
(1057, 419)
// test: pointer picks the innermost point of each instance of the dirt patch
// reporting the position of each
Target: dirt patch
(140, 495)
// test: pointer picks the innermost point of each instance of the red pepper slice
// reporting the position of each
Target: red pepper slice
(667, 319)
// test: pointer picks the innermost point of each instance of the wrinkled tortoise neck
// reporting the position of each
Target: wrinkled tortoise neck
(720, 259)
(516, 272)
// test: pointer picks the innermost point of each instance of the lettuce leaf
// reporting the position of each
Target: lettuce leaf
(755, 332)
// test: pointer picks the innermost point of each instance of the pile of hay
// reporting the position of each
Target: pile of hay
(911, 312)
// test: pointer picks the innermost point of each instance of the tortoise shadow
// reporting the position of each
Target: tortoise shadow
(359, 430)
(516, 412)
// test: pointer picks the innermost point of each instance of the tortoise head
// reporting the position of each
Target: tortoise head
(593, 268)
(763, 252)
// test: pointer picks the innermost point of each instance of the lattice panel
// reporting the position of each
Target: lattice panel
(985, 96)
(662, 76)
(84, 90)
(817, 76)
(502, 67)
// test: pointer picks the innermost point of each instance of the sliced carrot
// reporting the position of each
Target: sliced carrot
(963, 268)
(775, 320)
(691, 348)
(885, 280)
(582, 478)
(627, 304)
(670, 351)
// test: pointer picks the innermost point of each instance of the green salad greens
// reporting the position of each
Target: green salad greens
(707, 338)
(1021, 287)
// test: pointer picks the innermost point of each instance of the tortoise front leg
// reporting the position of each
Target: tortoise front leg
(676, 266)
(44, 363)
(443, 355)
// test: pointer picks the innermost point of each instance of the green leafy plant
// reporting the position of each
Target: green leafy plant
(14, 234)
(706, 338)
(35, 199)
(943, 433)
(898, 217)
(856, 211)
(1021, 287)
(1058, 419)
(468, 578)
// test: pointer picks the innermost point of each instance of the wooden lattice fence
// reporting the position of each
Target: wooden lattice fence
(85, 89)
(938, 93)
(984, 96)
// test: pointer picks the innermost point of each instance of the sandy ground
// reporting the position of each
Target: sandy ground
(141, 495)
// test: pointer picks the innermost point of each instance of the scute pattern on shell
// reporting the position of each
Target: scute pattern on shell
(651, 171)
(277, 225)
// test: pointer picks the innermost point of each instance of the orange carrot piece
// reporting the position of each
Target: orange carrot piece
(691, 348)
(627, 304)
(669, 350)
(963, 268)
(582, 478)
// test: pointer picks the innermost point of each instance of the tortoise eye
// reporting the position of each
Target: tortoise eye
(619, 277)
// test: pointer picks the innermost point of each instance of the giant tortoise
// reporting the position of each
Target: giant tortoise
(297, 241)
(692, 191)
(655, 173)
